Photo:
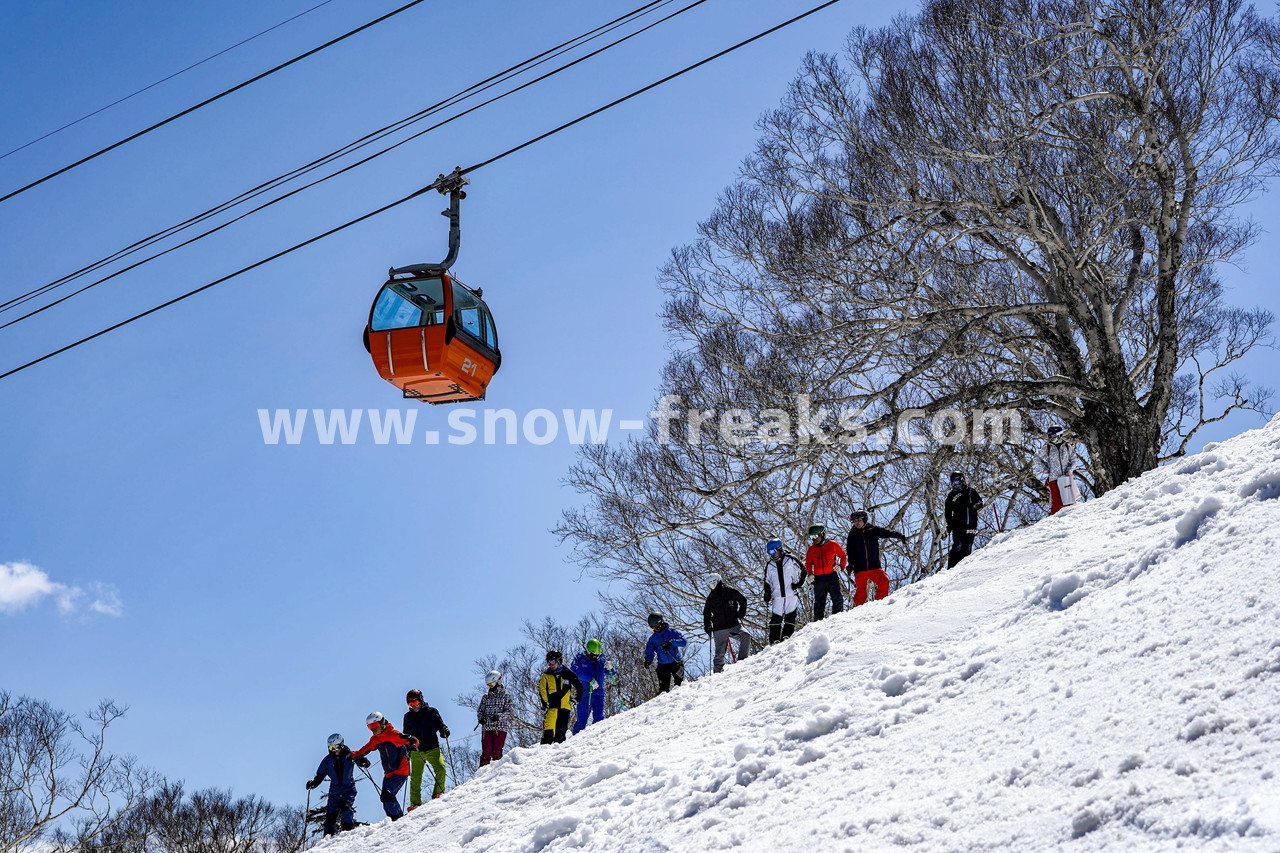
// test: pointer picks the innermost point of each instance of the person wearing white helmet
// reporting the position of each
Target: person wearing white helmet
(340, 801)
(393, 749)
(494, 718)
(722, 616)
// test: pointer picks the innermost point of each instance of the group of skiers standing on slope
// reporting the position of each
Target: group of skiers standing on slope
(860, 558)
(405, 753)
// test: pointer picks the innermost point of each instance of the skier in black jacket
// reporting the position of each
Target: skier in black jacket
(722, 620)
(863, 549)
(423, 722)
(961, 512)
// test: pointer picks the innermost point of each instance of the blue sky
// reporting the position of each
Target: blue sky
(251, 598)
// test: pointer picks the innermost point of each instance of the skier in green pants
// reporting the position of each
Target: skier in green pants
(424, 722)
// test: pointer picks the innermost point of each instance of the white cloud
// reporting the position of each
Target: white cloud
(23, 585)
(106, 600)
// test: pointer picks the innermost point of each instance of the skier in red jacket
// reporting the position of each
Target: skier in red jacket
(393, 748)
(820, 561)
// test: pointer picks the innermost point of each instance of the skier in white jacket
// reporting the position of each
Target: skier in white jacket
(1057, 464)
(783, 580)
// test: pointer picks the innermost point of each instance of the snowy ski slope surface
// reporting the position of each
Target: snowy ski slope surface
(1106, 680)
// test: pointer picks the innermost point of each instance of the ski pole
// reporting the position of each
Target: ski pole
(305, 812)
(448, 755)
(375, 785)
(404, 792)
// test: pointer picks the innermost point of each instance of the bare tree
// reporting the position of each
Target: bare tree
(991, 206)
(58, 783)
(206, 821)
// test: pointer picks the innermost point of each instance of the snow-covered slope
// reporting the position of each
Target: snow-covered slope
(1107, 680)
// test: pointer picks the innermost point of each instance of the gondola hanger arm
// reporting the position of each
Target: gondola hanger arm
(450, 185)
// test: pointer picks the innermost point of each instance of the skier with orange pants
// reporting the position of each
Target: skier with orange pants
(863, 550)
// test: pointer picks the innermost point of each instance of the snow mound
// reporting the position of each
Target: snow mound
(1106, 680)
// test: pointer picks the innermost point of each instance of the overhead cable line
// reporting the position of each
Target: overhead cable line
(368, 139)
(164, 79)
(433, 185)
(208, 101)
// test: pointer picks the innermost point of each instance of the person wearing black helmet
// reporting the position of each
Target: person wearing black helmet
(961, 513)
(423, 722)
(863, 549)
(665, 644)
(340, 802)
(558, 689)
(1057, 463)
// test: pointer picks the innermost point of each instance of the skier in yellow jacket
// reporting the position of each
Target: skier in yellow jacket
(558, 689)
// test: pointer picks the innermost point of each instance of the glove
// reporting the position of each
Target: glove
(666, 647)
(362, 761)
(798, 584)
(312, 784)
(593, 685)
(386, 797)
(647, 663)
(444, 730)
(413, 741)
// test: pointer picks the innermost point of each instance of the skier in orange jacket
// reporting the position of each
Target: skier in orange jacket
(393, 748)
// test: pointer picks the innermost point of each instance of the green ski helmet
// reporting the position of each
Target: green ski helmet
(594, 647)
(817, 531)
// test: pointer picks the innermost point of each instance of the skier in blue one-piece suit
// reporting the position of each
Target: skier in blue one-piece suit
(340, 767)
(592, 669)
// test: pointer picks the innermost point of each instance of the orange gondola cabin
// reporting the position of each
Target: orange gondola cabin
(432, 337)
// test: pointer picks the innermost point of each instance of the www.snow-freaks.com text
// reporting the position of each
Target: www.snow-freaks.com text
(802, 423)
